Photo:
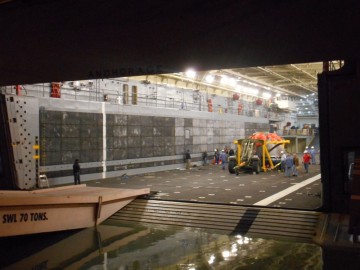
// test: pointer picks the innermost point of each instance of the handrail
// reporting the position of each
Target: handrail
(96, 93)
(116, 97)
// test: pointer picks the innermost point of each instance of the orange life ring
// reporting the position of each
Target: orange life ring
(210, 108)
(55, 90)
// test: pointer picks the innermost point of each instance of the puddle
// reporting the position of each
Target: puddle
(130, 246)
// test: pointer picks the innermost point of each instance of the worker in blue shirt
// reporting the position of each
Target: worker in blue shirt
(289, 163)
(223, 158)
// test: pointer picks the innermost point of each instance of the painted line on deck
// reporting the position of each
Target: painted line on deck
(104, 139)
(287, 191)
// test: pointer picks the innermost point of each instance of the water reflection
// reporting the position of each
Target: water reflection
(125, 246)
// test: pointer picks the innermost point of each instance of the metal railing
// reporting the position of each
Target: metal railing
(96, 93)
(154, 100)
(298, 132)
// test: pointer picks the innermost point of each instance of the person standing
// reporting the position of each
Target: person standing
(204, 158)
(306, 160)
(283, 158)
(289, 163)
(313, 153)
(296, 165)
(217, 155)
(223, 158)
(188, 159)
(76, 172)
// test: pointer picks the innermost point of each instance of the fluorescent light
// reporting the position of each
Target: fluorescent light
(224, 80)
(250, 90)
(246, 89)
(209, 78)
(253, 91)
(266, 95)
(232, 82)
(190, 73)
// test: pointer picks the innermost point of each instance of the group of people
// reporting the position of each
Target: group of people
(222, 157)
(290, 162)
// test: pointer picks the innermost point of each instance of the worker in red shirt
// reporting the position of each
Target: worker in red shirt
(306, 160)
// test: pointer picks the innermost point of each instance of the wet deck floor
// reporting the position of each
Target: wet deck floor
(212, 184)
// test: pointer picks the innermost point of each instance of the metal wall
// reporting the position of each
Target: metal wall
(339, 133)
(22, 134)
(110, 140)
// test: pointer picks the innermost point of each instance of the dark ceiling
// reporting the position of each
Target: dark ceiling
(43, 41)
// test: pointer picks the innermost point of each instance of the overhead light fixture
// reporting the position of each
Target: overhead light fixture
(209, 78)
(232, 82)
(254, 91)
(190, 73)
(250, 90)
(266, 95)
(224, 80)
(254, 84)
